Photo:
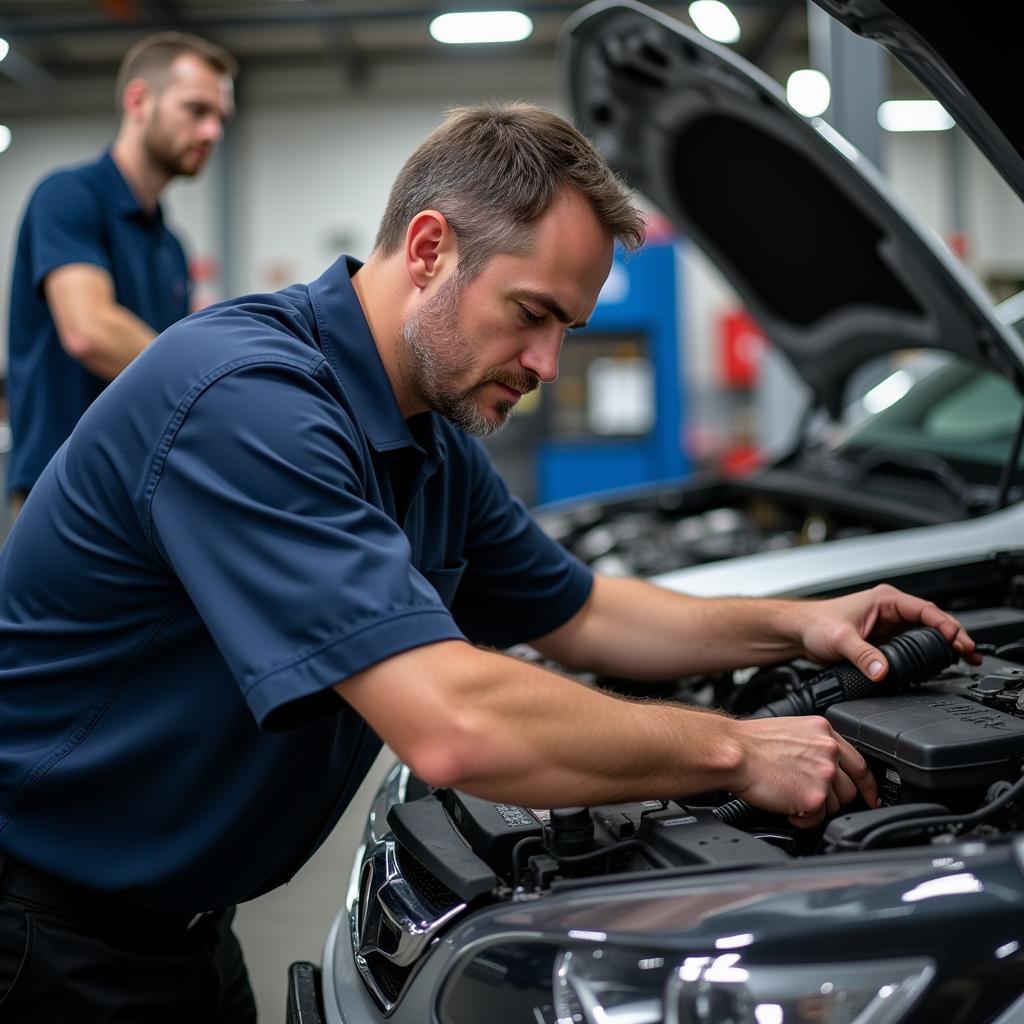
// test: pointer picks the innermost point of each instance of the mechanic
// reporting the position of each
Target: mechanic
(97, 273)
(274, 543)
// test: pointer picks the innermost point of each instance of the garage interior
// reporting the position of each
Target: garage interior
(331, 97)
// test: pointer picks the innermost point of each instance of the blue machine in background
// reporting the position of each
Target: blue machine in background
(615, 415)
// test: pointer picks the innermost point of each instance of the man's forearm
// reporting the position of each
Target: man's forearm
(632, 628)
(508, 730)
(113, 338)
(628, 627)
(92, 325)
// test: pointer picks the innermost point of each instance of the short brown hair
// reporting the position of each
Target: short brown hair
(151, 58)
(492, 170)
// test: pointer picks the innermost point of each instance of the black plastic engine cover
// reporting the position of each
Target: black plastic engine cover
(427, 833)
(696, 836)
(491, 829)
(935, 741)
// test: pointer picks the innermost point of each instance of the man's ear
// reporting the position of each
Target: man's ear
(137, 99)
(430, 251)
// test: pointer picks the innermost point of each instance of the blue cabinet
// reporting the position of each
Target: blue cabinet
(615, 416)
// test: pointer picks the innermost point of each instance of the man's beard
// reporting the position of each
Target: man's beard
(164, 154)
(437, 354)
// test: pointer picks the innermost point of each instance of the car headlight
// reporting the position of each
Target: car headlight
(535, 982)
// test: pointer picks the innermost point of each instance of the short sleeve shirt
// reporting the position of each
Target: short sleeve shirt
(86, 214)
(240, 521)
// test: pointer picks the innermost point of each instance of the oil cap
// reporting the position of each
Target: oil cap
(571, 831)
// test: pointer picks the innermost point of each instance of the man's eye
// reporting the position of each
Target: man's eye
(530, 317)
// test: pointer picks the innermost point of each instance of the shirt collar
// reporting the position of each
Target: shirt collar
(352, 352)
(123, 197)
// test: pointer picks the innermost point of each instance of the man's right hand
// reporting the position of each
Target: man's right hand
(801, 768)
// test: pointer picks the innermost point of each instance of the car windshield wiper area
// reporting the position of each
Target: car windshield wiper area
(972, 499)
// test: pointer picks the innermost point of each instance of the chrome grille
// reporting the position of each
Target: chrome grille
(399, 910)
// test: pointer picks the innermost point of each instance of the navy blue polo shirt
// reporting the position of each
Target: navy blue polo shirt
(241, 520)
(87, 214)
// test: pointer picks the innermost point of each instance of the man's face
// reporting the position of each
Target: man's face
(188, 115)
(471, 351)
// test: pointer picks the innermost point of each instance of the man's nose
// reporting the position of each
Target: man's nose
(541, 357)
(212, 129)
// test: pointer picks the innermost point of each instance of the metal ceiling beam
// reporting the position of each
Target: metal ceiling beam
(17, 66)
(163, 15)
(302, 58)
(132, 12)
(26, 73)
(345, 56)
(206, 21)
(335, 28)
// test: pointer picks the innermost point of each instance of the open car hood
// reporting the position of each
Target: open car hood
(809, 233)
(966, 59)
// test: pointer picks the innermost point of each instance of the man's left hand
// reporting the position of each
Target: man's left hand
(838, 629)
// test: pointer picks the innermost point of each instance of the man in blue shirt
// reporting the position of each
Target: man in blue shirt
(97, 273)
(274, 543)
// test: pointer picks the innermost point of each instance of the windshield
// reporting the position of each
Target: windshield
(937, 405)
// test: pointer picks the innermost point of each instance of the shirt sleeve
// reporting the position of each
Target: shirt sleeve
(66, 226)
(519, 584)
(262, 507)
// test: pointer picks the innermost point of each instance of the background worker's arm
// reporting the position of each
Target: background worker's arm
(511, 731)
(92, 326)
(634, 629)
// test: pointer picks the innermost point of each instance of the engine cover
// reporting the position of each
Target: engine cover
(936, 742)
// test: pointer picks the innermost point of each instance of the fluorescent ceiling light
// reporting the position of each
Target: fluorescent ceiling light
(481, 27)
(5, 47)
(5, 138)
(808, 92)
(914, 116)
(715, 20)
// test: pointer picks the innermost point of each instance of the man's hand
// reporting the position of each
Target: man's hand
(838, 629)
(799, 767)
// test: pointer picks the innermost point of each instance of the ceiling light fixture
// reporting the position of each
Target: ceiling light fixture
(914, 116)
(5, 47)
(715, 20)
(5, 138)
(481, 27)
(808, 92)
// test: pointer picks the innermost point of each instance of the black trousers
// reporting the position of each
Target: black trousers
(66, 958)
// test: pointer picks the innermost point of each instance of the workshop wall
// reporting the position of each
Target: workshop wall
(299, 180)
(920, 169)
(315, 183)
(305, 184)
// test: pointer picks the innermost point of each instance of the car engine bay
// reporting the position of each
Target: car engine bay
(669, 529)
(944, 740)
(946, 750)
